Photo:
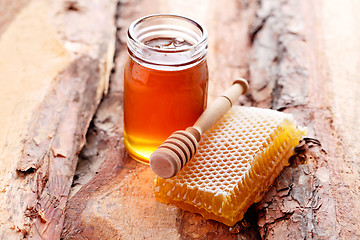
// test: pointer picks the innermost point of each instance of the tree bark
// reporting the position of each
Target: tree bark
(123, 202)
(296, 49)
(53, 74)
(289, 52)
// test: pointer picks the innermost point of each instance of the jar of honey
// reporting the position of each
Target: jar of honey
(165, 80)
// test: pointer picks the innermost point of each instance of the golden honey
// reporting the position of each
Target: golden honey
(159, 102)
(165, 81)
(237, 161)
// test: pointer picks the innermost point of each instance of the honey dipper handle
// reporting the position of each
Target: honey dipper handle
(180, 147)
(220, 106)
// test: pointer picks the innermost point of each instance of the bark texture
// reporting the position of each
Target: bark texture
(58, 66)
(292, 51)
(289, 52)
(123, 202)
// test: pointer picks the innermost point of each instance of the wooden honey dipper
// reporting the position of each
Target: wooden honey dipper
(181, 146)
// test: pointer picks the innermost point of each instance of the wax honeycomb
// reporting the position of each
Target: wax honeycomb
(237, 161)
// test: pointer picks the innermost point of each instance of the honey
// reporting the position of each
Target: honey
(165, 82)
(237, 161)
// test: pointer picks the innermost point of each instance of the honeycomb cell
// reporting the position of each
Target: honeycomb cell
(236, 162)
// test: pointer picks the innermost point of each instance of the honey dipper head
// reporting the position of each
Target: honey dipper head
(173, 154)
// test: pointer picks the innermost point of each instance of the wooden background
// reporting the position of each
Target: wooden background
(57, 60)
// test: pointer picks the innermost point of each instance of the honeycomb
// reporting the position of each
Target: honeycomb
(237, 161)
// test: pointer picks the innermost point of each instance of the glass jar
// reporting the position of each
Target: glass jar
(165, 80)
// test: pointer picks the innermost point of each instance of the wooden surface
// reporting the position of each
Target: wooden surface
(53, 74)
(300, 57)
(300, 49)
(116, 200)
(289, 51)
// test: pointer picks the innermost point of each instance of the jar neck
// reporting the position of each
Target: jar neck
(190, 35)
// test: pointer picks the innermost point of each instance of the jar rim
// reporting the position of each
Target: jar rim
(201, 41)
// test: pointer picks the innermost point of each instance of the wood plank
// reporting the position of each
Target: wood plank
(116, 191)
(310, 72)
(286, 49)
(9, 9)
(53, 77)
